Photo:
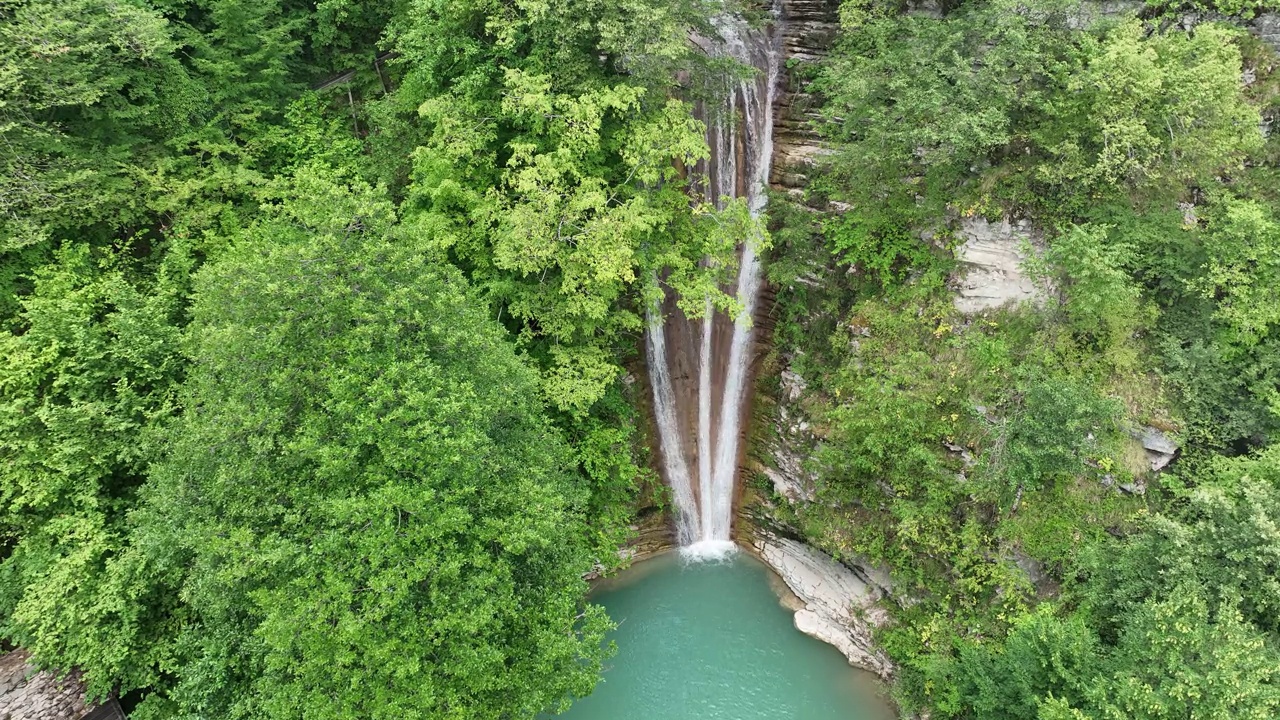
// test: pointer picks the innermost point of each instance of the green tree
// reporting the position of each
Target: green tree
(1044, 657)
(1178, 659)
(1150, 110)
(1174, 658)
(1103, 302)
(80, 86)
(1243, 270)
(364, 506)
(916, 103)
(1052, 425)
(545, 149)
(1225, 540)
(1007, 105)
(94, 365)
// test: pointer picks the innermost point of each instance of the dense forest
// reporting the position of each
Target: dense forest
(320, 321)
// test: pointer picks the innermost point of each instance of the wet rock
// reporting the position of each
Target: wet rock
(793, 385)
(1154, 440)
(840, 606)
(926, 8)
(790, 480)
(1088, 13)
(652, 534)
(1189, 217)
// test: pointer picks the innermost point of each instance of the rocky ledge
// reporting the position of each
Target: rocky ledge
(836, 604)
(29, 693)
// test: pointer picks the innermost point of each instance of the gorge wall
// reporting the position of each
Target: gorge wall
(840, 601)
(837, 603)
(808, 29)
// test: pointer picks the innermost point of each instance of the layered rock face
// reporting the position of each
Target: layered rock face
(837, 604)
(27, 693)
(791, 444)
(991, 256)
(808, 29)
(832, 602)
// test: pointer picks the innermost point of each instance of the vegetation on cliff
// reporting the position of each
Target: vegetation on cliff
(981, 457)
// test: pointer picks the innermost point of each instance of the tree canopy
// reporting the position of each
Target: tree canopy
(363, 492)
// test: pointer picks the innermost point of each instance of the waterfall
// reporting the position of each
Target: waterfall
(673, 461)
(706, 415)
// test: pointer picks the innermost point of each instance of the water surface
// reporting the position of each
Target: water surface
(710, 641)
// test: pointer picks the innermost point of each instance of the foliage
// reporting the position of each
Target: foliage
(1243, 272)
(1148, 110)
(1104, 303)
(1246, 9)
(1004, 103)
(545, 162)
(95, 364)
(879, 246)
(946, 451)
(1173, 659)
(361, 471)
(926, 101)
(979, 457)
(367, 511)
(1225, 541)
(80, 84)
(148, 138)
(1048, 432)
(1178, 621)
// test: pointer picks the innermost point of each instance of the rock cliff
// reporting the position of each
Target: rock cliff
(808, 29)
(28, 693)
(991, 257)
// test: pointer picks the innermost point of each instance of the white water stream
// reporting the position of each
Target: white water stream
(743, 127)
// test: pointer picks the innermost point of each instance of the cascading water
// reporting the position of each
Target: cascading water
(741, 142)
(673, 460)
